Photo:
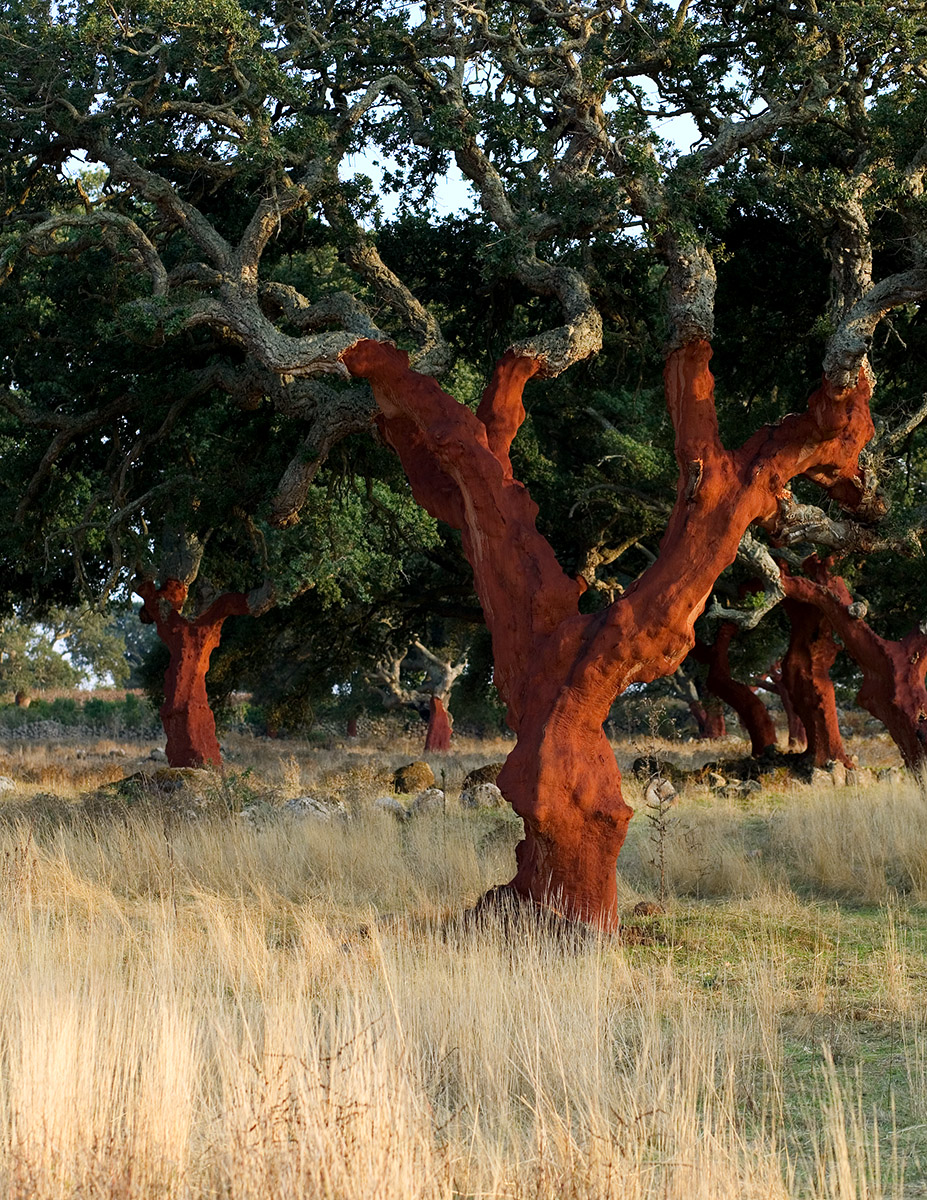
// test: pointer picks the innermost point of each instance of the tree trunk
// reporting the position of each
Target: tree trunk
(798, 738)
(559, 670)
(893, 688)
(438, 737)
(352, 727)
(185, 714)
(751, 711)
(709, 718)
(806, 679)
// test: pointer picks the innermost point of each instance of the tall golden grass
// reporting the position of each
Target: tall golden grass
(216, 1010)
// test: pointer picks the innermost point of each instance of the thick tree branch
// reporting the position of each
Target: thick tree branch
(849, 345)
(100, 218)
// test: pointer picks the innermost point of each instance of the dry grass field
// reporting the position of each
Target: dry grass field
(254, 1009)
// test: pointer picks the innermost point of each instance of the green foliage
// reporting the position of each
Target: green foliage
(106, 718)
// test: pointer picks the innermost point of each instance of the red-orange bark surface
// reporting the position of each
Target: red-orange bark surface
(798, 740)
(806, 679)
(438, 737)
(893, 671)
(751, 711)
(709, 718)
(352, 727)
(558, 670)
(185, 714)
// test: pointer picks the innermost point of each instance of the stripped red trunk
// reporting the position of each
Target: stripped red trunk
(352, 727)
(798, 739)
(893, 688)
(709, 718)
(806, 678)
(559, 670)
(438, 737)
(751, 711)
(185, 714)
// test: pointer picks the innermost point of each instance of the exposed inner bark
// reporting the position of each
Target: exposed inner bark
(438, 737)
(709, 717)
(185, 714)
(558, 670)
(893, 688)
(798, 739)
(806, 680)
(752, 712)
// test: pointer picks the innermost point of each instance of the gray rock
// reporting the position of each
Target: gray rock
(389, 804)
(7, 784)
(482, 795)
(429, 801)
(312, 808)
(660, 793)
(258, 814)
(157, 755)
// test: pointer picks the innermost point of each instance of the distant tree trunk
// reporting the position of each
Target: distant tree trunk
(806, 679)
(709, 718)
(435, 693)
(185, 714)
(557, 669)
(438, 737)
(798, 741)
(798, 738)
(893, 688)
(352, 727)
(751, 711)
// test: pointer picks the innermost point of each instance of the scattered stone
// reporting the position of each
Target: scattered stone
(716, 782)
(302, 807)
(118, 753)
(157, 755)
(414, 777)
(431, 800)
(258, 814)
(7, 784)
(487, 774)
(832, 774)
(660, 794)
(648, 908)
(482, 795)
(389, 804)
(890, 775)
(741, 787)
